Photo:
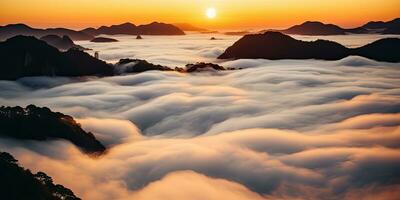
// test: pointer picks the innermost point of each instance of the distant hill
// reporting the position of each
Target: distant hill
(276, 45)
(12, 30)
(315, 28)
(154, 28)
(189, 27)
(103, 39)
(319, 28)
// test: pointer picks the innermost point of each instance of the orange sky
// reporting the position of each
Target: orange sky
(232, 14)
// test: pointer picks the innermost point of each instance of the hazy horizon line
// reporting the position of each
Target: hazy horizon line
(243, 28)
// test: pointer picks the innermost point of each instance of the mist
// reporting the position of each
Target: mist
(272, 130)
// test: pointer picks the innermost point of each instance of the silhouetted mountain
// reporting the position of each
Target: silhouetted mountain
(17, 183)
(61, 43)
(12, 30)
(318, 28)
(125, 28)
(189, 27)
(315, 28)
(387, 49)
(275, 45)
(103, 39)
(35, 123)
(154, 28)
(22, 56)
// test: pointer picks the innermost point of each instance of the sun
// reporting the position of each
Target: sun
(211, 13)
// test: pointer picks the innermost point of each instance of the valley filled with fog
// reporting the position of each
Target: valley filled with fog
(273, 129)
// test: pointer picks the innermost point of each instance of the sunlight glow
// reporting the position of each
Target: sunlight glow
(211, 13)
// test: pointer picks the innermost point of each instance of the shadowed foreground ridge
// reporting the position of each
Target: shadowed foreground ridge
(275, 45)
(19, 183)
(35, 123)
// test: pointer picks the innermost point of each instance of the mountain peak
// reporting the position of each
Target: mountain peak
(313, 23)
(126, 24)
(19, 25)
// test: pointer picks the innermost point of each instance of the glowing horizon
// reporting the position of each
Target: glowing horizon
(231, 14)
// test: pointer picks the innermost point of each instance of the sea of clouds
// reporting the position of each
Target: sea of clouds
(274, 130)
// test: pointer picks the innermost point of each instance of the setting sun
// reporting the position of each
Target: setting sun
(211, 13)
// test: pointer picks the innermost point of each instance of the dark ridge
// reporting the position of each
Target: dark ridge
(23, 56)
(387, 49)
(124, 28)
(154, 28)
(12, 30)
(275, 45)
(19, 183)
(103, 39)
(157, 28)
(61, 43)
(35, 123)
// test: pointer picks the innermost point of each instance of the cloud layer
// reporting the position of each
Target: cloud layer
(273, 130)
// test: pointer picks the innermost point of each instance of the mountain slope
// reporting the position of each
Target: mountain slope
(276, 45)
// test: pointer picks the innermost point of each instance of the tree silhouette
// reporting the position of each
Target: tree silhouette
(17, 183)
(35, 123)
